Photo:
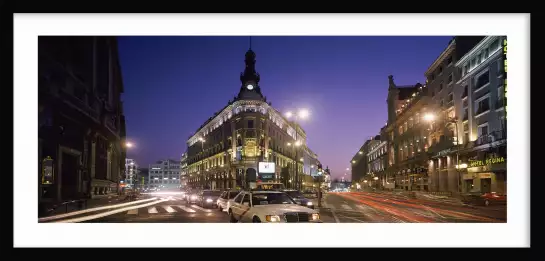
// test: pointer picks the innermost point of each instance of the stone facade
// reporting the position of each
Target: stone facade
(226, 150)
(81, 126)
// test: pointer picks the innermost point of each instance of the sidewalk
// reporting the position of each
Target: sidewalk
(102, 200)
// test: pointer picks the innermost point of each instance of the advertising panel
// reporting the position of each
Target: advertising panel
(266, 167)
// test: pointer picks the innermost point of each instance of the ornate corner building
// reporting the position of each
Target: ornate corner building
(227, 149)
(81, 126)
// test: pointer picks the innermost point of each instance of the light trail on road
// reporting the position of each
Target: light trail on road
(85, 218)
(438, 210)
(79, 212)
(397, 212)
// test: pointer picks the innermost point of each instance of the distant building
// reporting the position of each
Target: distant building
(165, 174)
(183, 170)
(81, 126)
(359, 163)
(131, 173)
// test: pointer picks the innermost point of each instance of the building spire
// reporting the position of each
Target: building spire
(250, 43)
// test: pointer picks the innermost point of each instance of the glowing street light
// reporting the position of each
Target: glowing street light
(375, 178)
(128, 145)
(301, 114)
(429, 117)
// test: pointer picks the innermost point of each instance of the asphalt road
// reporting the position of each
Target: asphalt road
(371, 207)
(345, 207)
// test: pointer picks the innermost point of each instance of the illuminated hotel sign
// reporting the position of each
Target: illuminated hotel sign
(479, 163)
(505, 74)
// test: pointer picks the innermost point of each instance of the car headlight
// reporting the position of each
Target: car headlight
(315, 216)
(193, 197)
(209, 200)
(309, 203)
(272, 218)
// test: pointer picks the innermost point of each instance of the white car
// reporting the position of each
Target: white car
(269, 207)
(226, 199)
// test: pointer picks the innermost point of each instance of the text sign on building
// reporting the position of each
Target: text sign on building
(266, 167)
(479, 163)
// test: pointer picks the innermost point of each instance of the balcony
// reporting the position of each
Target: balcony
(443, 144)
(491, 137)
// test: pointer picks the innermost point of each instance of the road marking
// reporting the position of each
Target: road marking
(132, 212)
(430, 209)
(335, 216)
(352, 219)
(170, 209)
(186, 209)
(201, 209)
(152, 210)
(347, 207)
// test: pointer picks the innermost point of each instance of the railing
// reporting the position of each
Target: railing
(491, 137)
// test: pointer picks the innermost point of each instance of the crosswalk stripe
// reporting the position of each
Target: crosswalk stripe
(152, 210)
(347, 207)
(186, 209)
(170, 209)
(201, 209)
(132, 211)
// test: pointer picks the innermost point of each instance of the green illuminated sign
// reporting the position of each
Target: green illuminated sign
(490, 161)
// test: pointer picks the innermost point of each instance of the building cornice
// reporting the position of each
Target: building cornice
(441, 57)
(476, 49)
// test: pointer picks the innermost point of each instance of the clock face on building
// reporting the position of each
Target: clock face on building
(250, 87)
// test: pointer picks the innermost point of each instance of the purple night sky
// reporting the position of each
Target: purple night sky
(173, 84)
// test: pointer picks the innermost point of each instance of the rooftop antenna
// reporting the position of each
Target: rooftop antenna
(250, 43)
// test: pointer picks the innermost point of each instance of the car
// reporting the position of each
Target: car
(226, 199)
(269, 207)
(484, 199)
(299, 198)
(208, 198)
(191, 197)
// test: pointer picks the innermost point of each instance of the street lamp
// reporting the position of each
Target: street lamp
(303, 114)
(430, 118)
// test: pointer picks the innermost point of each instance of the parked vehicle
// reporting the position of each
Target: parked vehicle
(484, 199)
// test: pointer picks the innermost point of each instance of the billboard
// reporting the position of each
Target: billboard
(266, 167)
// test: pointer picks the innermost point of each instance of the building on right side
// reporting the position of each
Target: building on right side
(481, 90)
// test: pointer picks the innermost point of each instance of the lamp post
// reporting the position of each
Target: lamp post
(430, 118)
(303, 113)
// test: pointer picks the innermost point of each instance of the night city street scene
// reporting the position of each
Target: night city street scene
(272, 129)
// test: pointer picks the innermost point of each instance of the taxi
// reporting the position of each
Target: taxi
(269, 207)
